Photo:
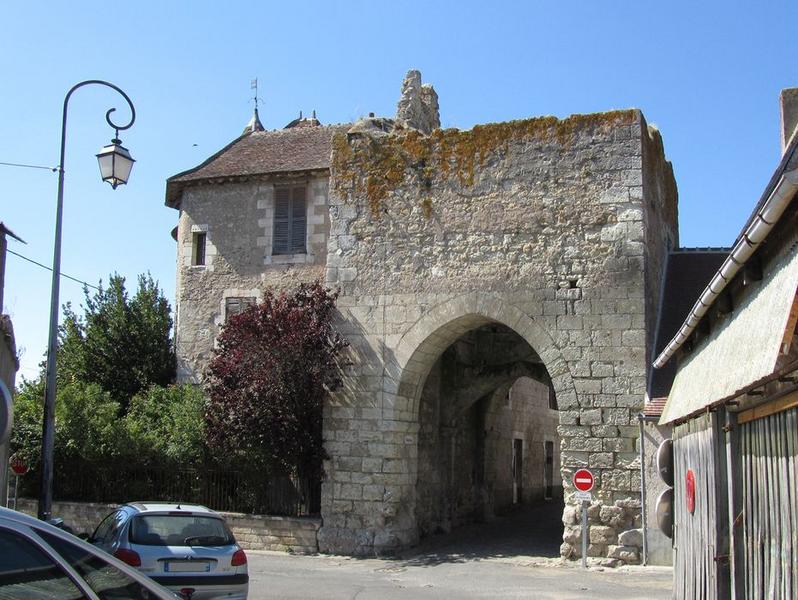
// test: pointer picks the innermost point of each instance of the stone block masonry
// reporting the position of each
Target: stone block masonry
(252, 532)
(555, 230)
(543, 226)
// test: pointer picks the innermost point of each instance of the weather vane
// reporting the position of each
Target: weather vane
(254, 86)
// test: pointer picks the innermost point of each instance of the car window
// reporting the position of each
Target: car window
(179, 530)
(101, 534)
(108, 582)
(28, 573)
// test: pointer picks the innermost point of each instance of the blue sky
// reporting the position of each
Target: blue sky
(708, 74)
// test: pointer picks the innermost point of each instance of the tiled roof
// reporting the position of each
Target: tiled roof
(259, 153)
(689, 272)
(653, 407)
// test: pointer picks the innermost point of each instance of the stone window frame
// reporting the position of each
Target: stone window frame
(316, 224)
(291, 220)
(220, 318)
(199, 241)
(244, 303)
(189, 249)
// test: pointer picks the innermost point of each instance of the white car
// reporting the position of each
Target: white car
(41, 562)
(185, 547)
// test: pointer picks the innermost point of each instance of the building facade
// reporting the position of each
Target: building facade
(9, 361)
(733, 407)
(500, 288)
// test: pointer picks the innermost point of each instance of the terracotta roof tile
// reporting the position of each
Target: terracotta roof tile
(260, 153)
(654, 407)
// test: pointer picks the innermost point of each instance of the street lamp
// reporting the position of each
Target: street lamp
(115, 164)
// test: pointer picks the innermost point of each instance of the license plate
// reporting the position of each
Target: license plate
(187, 566)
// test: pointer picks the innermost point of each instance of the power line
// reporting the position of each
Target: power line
(38, 264)
(8, 164)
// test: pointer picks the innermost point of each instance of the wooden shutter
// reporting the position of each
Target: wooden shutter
(235, 306)
(282, 224)
(298, 221)
(232, 307)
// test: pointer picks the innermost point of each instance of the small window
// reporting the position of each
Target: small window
(290, 220)
(552, 398)
(198, 248)
(235, 306)
(102, 533)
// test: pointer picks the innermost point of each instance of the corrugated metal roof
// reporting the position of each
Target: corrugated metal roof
(741, 349)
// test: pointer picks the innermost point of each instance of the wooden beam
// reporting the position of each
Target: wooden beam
(789, 331)
(769, 408)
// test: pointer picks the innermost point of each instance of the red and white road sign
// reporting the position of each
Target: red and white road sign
(18, 465)
(583, 480)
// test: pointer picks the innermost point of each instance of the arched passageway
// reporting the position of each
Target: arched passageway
(487, 438)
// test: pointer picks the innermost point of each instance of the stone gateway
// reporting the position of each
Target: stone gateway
(499, 288)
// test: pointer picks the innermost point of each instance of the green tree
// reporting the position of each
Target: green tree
(87, 424)
(121, 344)
(166, 424)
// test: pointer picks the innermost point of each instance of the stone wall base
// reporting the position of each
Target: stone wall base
(253, 532)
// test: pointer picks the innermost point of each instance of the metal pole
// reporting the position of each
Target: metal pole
(16, 489)
(644, 512)
(48, 420)
(584, 534)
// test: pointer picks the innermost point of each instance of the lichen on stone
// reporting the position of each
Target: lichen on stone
(376, 164)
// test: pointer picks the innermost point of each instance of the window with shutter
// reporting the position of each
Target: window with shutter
(235, 306)
(290, 220)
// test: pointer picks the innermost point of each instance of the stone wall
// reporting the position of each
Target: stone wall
(237, 219)
(523, 413)
(253, 532)
(538, 225)
(659, 227)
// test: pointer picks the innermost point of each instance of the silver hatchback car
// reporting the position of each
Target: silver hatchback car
(185, 547)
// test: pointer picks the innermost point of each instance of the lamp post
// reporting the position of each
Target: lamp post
(115, 165)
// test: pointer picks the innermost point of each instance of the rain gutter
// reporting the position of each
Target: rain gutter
(759, 226)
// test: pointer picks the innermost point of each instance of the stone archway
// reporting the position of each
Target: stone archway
(372, 426)
(419, 352)
(445, 322)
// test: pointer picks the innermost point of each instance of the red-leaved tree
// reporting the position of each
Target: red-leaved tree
(273, 366)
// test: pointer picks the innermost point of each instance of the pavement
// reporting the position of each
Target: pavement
(512, 557)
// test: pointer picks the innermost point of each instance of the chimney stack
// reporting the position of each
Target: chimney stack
(789, 115)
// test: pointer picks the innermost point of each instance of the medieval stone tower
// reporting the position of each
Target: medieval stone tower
(499, 288)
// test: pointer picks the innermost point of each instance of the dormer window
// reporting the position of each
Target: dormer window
(290, 220)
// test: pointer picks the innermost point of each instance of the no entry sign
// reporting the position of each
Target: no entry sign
(18, 465)
(583, 480)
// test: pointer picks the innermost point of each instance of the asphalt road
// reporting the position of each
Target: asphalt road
(512, 557)
(279, 576)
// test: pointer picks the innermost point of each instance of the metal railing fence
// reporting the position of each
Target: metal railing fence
(251, 491)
